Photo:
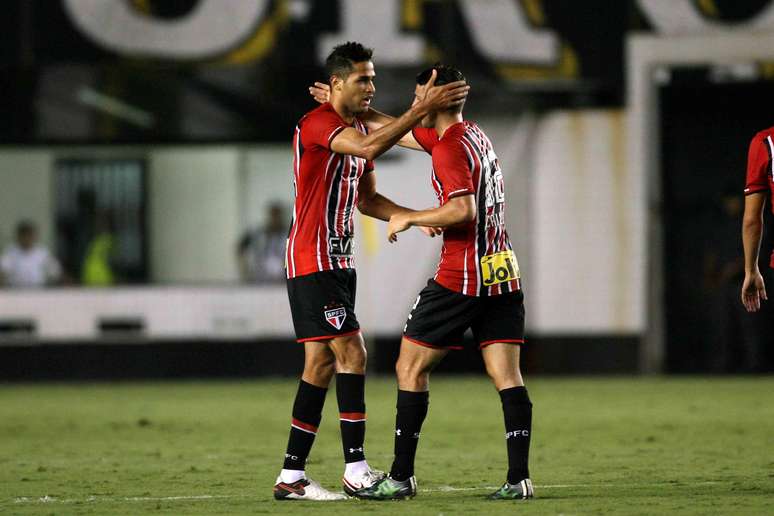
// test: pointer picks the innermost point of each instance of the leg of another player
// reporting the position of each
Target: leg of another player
(307, 409)
(351, 359)
(502, 365)
(413, 371)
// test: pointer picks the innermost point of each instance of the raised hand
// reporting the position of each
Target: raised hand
(321, 92)
(442, 97)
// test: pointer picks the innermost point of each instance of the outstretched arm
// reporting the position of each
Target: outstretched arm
(374, 119)
(372, 203)
(753, 288)
(456, 210)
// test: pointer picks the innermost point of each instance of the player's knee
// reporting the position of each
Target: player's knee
(320, 371)
(410, 373)
(504, 378)
(351, 357)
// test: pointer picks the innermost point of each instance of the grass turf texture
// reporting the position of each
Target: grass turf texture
(623, 445)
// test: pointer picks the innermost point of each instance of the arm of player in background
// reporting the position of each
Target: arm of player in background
(753, 287)
(372, 203)
(456, 210)
(374, 119)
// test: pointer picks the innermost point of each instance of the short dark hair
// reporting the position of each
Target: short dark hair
(446, 74)
(342, 59)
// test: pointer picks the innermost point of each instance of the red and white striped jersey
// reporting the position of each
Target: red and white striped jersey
(760, 168)
(477, 257)
(321, 237)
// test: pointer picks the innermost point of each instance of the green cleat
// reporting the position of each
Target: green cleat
(519, 491)
(389, 489)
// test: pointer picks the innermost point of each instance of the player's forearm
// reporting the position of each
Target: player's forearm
(752, 228)
(380, 207)
(377, 142)
(375, 120)
(447, 215)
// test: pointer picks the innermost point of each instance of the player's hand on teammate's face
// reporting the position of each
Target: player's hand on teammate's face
(442, 97)
(753, 291)
(430, 231)
(398, 222)
(321, 92)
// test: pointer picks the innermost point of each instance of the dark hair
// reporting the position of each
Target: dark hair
(25, 227)
(446, 74)
(342, 59)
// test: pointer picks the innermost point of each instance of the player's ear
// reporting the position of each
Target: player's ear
(335, 82)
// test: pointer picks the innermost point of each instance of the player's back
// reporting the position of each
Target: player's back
(477, 257)
(325, 186)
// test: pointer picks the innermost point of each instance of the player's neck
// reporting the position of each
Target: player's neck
(341, 109)
(445, 120)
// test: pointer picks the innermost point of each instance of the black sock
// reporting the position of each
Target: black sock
(307, 413)
(517, 410)
(350, 391)
(412, 409)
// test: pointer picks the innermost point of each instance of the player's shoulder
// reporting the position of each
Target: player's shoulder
(323, 112)
(764, 134)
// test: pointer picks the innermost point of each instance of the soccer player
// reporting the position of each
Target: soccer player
(333, 163)
(760, 184)
(477, 286)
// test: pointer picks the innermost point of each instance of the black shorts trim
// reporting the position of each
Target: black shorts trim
(328, 337)
(431, 346)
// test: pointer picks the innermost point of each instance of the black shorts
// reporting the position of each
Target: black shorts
(323, 304)
(441, 316)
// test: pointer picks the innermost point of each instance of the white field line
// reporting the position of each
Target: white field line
(440, 489)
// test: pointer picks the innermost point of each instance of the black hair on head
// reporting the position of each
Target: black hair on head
(342, 59)
(446, 74)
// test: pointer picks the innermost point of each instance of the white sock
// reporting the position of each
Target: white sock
(355, 469)
(289, 476)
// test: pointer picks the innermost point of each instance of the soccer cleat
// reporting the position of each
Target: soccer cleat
(364, 481)
(304, 489)
(389, 489)
(519, 491)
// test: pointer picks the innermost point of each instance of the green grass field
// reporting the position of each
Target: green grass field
(622, 445)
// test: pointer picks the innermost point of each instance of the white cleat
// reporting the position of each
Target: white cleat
(305, 489)
(352, 485)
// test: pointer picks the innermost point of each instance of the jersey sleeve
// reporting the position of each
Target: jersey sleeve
(759, 165)
(452, 169)
(426, 137)
(321, 128)
(369, 166)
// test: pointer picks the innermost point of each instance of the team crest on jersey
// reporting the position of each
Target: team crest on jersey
(336, 317)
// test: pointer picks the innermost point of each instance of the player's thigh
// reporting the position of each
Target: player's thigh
(415, 364)
(502, 361)
(319, 363)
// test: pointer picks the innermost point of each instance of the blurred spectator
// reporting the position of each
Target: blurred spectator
(261, 253)
(737, 338)
(26, 263)
(97, 266)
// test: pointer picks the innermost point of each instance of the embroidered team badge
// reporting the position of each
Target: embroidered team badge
(336, 317)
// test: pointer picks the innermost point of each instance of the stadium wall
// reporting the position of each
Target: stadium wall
(570, 214)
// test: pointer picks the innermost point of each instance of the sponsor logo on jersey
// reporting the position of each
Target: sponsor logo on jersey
(336, 317)
(341, 246)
